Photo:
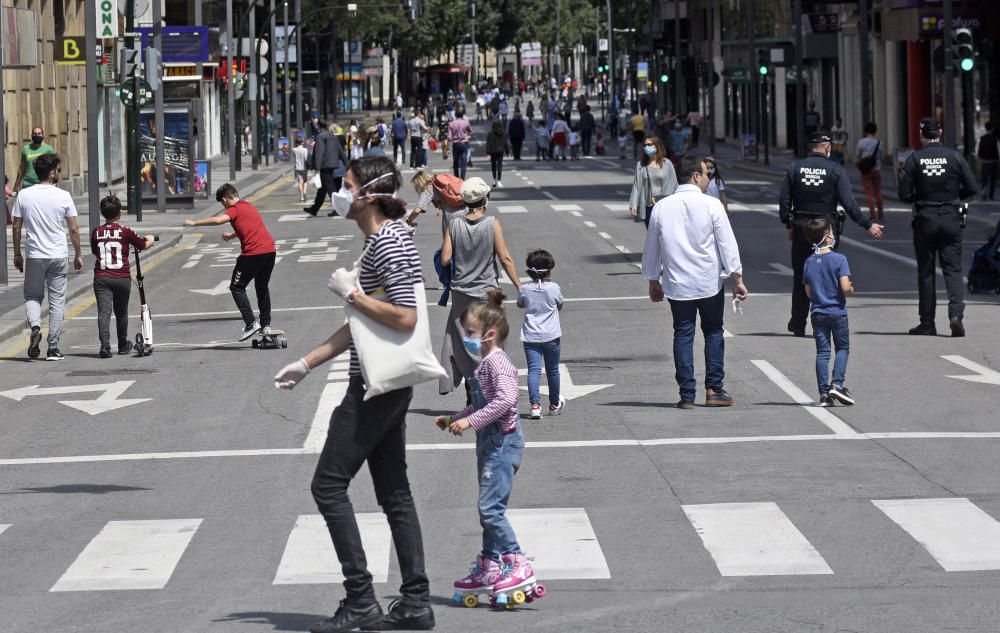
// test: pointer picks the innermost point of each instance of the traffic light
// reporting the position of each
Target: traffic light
(763, 62)
(963, 52)
(664, 78)
(130, 63)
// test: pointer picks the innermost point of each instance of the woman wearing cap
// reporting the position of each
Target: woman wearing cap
(472, 245)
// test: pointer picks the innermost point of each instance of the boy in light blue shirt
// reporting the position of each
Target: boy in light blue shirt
(541, 333)
(827, 279)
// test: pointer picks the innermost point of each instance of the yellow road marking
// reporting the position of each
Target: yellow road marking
(82, 303)
(268, 190)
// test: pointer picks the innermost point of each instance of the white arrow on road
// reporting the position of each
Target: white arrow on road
(779, 269)
(221, 289)
(566, 387)
(107, 401)
(984, 375)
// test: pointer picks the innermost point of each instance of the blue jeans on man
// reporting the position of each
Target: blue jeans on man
(537, 353)
(711, 310)
(460, 159)
(827, 327)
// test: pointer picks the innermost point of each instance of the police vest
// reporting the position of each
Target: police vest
(814, 186)
(936, 172)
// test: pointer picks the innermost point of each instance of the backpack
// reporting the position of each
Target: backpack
(867, 163)
(449, 187)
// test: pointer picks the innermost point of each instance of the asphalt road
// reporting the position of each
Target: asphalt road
(190, 511)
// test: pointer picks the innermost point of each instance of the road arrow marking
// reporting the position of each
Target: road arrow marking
(566, 387)
(221, 289)
(984, 375)
(107, 401)
(779, 269)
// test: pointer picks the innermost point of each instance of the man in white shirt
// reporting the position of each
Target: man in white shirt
(44, 211)
(691, 247)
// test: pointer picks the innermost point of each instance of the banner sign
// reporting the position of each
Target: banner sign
(181, 44)
(107, 18)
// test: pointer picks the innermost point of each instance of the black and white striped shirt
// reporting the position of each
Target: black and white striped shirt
(390, 267)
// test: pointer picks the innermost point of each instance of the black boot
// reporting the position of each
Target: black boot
(924, 329)
(957, 329)
(403, 617)
(349, 617)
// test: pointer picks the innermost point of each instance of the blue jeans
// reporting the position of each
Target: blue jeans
(711, 310)
(536, 353)
(460, 159)
(825, 327)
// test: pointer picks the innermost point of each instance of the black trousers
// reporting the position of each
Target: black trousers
(515, 147)
(417, 152)
(258, 268)
(937, 233)
(585, 137)
(496, 166)
(112, 294)
(372, 431)
(801, 250)
(398, 145)
(330, 184)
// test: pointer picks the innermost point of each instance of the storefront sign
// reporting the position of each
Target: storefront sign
(69, 50)
(107, 18)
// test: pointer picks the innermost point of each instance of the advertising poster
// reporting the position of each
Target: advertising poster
(202, 184)
(176, 153)
(283, 150)
(749, 146)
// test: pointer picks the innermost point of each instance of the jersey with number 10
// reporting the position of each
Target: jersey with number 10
(111, 245)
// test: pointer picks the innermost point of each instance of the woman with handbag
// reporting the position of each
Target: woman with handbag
(384, 294)
(654, 179)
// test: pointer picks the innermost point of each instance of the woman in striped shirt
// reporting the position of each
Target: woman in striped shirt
(372, 430)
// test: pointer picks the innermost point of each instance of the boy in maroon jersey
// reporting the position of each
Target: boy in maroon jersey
(111, 243)
(256, 260)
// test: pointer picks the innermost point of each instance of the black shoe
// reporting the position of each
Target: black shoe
(54, 354)
(957, 329)
(349, 617)
(332, 214)
(104, 353)
(685, 405)
(311, 211)
(924, 329)
(799, 331)
(841, 395)
(403, 617)
(124, 348)
(34, 351)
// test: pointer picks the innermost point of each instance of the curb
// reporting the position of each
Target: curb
(74, 290)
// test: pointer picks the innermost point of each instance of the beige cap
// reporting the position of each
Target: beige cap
(475, 190)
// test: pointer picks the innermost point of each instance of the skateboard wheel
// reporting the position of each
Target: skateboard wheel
(471, 600)
(255, 343)
(140, 345)
(284, 344)
(529, 598)
(518, 597)
(539, 591)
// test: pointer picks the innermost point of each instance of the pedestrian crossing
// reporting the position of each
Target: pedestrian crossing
(747, 539)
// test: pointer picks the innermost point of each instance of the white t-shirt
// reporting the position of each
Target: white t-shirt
(43, 209)
(715, 187)
(301, 155)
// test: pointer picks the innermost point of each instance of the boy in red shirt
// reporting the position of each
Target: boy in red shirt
(256, 260)
(111, 243)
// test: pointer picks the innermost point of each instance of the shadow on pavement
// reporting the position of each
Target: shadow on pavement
(279, 620)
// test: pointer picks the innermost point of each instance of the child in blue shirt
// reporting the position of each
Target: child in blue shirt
(542, 300)
(827, 280)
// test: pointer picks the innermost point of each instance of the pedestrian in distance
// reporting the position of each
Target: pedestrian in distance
(868, 160)
(542, 141)
(111, 244)
(574, 143)
(473, 244)
(44, 212)
(372, 430)
(26, 175)
(560, 137)
(327, 155)
(813, 187)
(255, 262)
(500, 567)
(418, 128)
(716, 185)
(300, 157)
(839, 136)
(988, 153)
(935, 180)
(516, 134)
(374, 145)
(826, 277)
(529, 110)
(399, 132)
(460, 135)
(541, 332)
(587, 126)
(654, 180)
(444, 118)
(422, 185)
(638, 126)
(690, 250)
(497, 144)
(694, 122)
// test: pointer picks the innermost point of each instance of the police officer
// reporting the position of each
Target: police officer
(812, 188)
(935, 180)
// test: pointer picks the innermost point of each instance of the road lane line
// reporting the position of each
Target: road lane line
(576, 214)
(566, 207)
(130, 555)
(309, 557)
(590, 224)
(754, 539)
(4, 526)
(957, 533)
(604, 235)
(563, 542)
(831, 421)
(333, 393)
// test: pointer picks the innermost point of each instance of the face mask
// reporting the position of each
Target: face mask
(649, 149)
(828, 241)
(473, 345)
(37, 139)
(374, 195)
(342, 201)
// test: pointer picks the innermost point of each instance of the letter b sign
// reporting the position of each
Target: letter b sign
(69, 50)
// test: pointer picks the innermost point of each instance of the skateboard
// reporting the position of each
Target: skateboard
(502, 600)
(274, 340)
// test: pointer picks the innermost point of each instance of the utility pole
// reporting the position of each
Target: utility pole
(611, 61)
(710, 128)
(678, 109)
(133, 194)
(93, 153)
(629, 75)
(161, 132)
(753, 121)
(298, 65)
(274, 85)
(3, 170)
(251, 90)
(286, 117)
(558, 69)
(864, 11)
(948, 136)
(230, 92)
(800, 106)
(475, 56)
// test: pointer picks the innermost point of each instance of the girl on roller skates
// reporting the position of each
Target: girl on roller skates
(501, 569)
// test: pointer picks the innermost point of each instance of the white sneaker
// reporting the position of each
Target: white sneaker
(266, 330)
(499, 185)
(250, 330)
(556, 409)
(536, 412)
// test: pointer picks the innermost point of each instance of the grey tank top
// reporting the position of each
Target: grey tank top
(473, 263)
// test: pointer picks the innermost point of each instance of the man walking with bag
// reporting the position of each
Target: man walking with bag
(327, 154)
(868, 159)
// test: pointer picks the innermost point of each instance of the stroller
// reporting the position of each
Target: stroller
(984, 275)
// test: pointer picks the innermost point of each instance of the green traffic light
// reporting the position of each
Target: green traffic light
(967, 64)
(763, 70)
(664, 79)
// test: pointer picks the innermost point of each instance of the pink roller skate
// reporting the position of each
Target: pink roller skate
(482, 576)
(518, 583)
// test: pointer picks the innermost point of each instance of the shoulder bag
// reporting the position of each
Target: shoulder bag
(867, 163)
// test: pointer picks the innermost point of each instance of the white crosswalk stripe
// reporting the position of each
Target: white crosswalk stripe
(130, 555)
(512, 208)
(754, 539)
(566, 207)
(618, 206)
(562, 541)
(956, 532)
(4, 526)
(309, 557)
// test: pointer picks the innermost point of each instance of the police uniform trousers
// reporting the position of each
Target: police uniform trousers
(937, 232)
(802, 248)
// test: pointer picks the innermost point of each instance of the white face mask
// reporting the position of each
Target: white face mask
(827, 242)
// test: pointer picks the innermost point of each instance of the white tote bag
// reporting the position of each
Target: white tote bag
(391, 359)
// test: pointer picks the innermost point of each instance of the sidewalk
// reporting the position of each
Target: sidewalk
(166, 224)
